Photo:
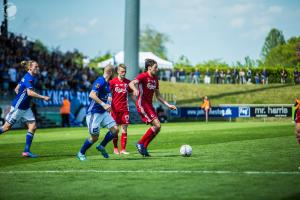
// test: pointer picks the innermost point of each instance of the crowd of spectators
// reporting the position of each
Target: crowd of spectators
(58, 70)
(230, 76)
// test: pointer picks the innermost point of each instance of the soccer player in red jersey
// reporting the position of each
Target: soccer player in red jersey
(297, 119)
(120, 110)
(144, 86)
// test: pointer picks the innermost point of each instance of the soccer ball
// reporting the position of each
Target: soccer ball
(186, 150)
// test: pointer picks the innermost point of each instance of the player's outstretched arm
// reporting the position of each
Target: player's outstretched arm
(94, 96)
(36, 95)
(133, 86)
(161, 99)
(17, 89)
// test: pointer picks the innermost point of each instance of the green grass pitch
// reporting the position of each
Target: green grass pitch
(239, 160)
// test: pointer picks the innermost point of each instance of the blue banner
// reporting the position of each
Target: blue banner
(195, 112)
(57, 96)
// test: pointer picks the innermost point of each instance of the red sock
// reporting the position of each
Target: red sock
(146, 136)
(147, 142)
(115, 141)
(123, 141)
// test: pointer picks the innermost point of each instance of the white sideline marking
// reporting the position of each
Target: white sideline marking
(155, 171)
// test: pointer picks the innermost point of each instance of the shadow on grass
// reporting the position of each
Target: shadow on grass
(225, 94)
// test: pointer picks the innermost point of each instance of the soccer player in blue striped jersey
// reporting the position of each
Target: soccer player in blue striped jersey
(20, 108)
(98, 115)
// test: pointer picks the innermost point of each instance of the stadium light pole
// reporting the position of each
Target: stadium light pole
(5, 26)
(131, 37)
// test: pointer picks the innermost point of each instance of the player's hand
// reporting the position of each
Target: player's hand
(46, 98)
(172, 107)
(136, 93)
(107, 107)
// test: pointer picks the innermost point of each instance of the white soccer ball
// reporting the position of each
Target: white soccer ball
(186, 150)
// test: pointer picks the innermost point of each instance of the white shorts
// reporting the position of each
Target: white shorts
(96, 121)
(16, 114)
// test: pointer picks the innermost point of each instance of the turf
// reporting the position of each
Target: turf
(233, 148)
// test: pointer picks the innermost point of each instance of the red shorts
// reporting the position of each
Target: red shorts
(297, 119)
(147, 113)
(121, 117)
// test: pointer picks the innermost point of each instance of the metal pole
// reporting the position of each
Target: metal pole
(131, 37)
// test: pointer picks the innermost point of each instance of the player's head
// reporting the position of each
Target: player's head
(30, 66)
(109, 71)
(151, 66)
(122, 70)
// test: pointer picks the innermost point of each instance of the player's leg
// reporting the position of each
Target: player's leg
(116, 137)
(93, 125)
(124, 139)
(154, 129)
(297, 131)
(11, 118)
(6, 127)
(29, 138)
(108, 122)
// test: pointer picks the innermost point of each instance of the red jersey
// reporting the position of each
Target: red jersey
(119, 90)
(146, 87)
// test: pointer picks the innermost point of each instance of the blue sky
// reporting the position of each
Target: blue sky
(199, 29)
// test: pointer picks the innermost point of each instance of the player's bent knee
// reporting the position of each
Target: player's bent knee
(114, 130)
(94, 138)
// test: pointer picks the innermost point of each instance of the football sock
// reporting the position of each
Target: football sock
(29, 138)
(108, 137)
(86, 145)
(115, 141)
(123, 141)
(146, 136)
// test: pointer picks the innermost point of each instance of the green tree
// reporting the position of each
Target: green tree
(94, 62)
(154, 41)
(274, 39)
(40, 47)
(284, 55)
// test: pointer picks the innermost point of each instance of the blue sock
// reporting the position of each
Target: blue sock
(108, 137)
(86, 145)
(29, 138)
(1, 131)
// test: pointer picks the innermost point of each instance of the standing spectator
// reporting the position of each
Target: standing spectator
(206, 106)
(65, 112)
(264, 76)
(242, 76)
(182, 75)
(249, 75)
(12, 77)
(228, 77)
(222, 77)
(168, 74)
(296, 76)
(217, 76)
(283, 76)
(235, 76)
(196, 77)
(207, 76)
(256, 77)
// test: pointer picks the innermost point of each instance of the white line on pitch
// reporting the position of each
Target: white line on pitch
(155, 171)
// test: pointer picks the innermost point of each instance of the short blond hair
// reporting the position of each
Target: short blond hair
(122, 66)
(26, 64)
(108, 67)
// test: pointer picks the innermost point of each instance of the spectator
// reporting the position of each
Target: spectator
(182, 75)
(264, 76)
(65, 112)
(222, 77)
(168, 74)
(206, 106)
(207, 76)
(256, 77)
(249, 75)
(296, 76)
(217, 76)
(196, 77)
(228, 77)
(283, 76)
(235, 76)
(242, 76)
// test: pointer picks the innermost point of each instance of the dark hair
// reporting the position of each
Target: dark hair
(149, 63)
